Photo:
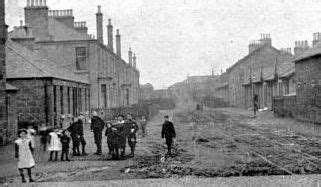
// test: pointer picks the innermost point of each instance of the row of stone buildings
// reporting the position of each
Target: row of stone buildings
(271, 74)
(54, 68)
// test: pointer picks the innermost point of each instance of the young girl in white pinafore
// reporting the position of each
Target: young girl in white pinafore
(23, 152)
(54, 144)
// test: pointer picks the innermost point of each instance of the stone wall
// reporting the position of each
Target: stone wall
(34, 102)
(309, 89)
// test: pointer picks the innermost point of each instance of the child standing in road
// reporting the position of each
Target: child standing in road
(54, 143)
(23, 152)
(65, 141)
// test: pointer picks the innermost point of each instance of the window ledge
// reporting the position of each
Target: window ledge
(81, 71)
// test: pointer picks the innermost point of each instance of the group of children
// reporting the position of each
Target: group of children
(58, 140)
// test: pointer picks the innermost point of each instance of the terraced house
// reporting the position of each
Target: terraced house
(87, 73)
(262, 56)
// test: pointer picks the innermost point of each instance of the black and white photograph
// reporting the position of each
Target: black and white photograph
(160, 93)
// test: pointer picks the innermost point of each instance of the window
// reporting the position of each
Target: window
(81, 58)
(104, 95)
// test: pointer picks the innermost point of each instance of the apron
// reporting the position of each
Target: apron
(25, 156)
(55, 144)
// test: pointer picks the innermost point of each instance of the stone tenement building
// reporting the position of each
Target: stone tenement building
(262, 55)
(113, 82)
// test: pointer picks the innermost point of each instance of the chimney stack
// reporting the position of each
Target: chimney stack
(110, 35)
(36, 16)
(130, 57)
(99, 25)
(316, 38)
(118, 44)
(266, 39)
(134, 60)
(300, 47)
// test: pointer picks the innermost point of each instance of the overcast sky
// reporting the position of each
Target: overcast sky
(173, 38)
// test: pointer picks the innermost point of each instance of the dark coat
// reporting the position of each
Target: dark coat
(130, 124)
(79, 127)
(97, 124)
(65, 141)
(168, 130)
(114, 136)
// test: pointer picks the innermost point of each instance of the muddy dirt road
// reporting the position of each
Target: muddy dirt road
(215, 142)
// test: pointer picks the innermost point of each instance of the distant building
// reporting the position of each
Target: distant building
(55, 35)
(194, 87)
(146, 92)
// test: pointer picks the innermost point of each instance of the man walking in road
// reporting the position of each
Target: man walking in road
(97, 126)
(168, 134)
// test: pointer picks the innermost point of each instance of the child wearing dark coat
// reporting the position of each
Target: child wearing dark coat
(65, 141)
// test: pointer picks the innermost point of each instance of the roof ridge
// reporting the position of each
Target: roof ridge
(27, 60)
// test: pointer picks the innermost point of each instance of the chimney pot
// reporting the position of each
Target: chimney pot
(32, 3)
(99, 9)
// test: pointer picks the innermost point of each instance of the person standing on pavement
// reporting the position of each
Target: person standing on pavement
(132, 128)
(168, 134)
(122, 135)
(24, 154)
(54, 143)
(97, 126)
(75, 137)
(65, 141)
(80, 129)
(108, 134)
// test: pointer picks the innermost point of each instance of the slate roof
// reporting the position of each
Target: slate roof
(284, 69)
(314, 51)
(24, 63)
(252, 54)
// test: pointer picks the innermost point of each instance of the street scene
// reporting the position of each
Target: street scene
(194, 100)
